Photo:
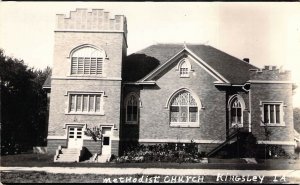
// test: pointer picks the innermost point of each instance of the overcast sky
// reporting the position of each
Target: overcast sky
(267, 33)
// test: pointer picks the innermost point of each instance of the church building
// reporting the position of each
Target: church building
(164, 93)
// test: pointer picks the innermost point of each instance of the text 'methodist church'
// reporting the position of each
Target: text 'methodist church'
(165, 93)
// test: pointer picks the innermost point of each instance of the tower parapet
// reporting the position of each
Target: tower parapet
(270, 73)
(94, 20)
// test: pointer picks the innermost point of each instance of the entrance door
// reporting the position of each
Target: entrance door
(75, 137)
(106, 140)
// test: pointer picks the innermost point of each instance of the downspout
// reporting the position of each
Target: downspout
(250, 111)
(248, 89)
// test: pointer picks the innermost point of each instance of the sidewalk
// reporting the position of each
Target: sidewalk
(194, 175)
(151, 171)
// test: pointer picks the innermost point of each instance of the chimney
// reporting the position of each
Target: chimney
(247, 60)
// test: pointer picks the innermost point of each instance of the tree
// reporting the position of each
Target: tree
(23, 101)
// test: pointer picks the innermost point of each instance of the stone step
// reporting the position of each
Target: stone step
(103, 158)
(68, 155)
(67, 159)
(70, 148)
(69, 152)
(70, 161)
(77, 154)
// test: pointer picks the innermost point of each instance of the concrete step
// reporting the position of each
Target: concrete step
(67, 158)
(70, 150)
(70, 153)
(103, 158)
(68, 161)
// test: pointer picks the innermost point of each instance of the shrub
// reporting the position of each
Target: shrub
(169, 152)
(275, 151)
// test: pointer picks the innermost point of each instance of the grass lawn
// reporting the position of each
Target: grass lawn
(41, 160)
(43, 177)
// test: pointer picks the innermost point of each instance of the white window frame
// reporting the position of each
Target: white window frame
(127, 99)
(242, 104)
(281, 113)
(100, 112)
(88, 52)
(186, 65)
(188, 123)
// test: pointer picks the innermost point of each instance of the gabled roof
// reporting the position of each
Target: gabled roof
(236, 71)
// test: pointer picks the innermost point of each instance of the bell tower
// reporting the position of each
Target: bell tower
(89, 48)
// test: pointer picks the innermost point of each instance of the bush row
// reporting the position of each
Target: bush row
(169, 152)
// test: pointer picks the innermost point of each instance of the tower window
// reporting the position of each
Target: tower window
(87, 61)
(85, 103)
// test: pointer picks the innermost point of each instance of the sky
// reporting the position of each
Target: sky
(267, 33)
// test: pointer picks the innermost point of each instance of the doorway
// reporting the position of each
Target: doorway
(75, 139)
(106, 140)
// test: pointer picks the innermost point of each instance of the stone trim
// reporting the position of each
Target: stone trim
(102, 103)
(281, 105)
(193, 56)
(57, 137)
(86, 78)
(88, 31)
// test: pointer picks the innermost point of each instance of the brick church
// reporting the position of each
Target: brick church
(165, 93)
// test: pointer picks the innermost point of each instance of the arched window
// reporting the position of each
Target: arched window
(131, 104)
(184, 68)
(236, 107)
(184, 109)
(87, 60)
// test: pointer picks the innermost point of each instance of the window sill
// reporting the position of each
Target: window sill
(184, 125)
(86, 76)
(273, 125)
(84, 113)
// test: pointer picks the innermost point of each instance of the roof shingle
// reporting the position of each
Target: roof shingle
(231, 68)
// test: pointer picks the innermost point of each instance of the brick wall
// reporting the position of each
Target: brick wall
(52, 145)
(154, 116)
(111, 43)
(96, 28)
(92, 146)
(115, 147)
(275, 91)
(95, 19)
(59, 104)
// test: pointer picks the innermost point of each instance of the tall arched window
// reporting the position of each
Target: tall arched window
(132, 105)
(184, 109)
(236, 107)
(87, 60)
(184, 68)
